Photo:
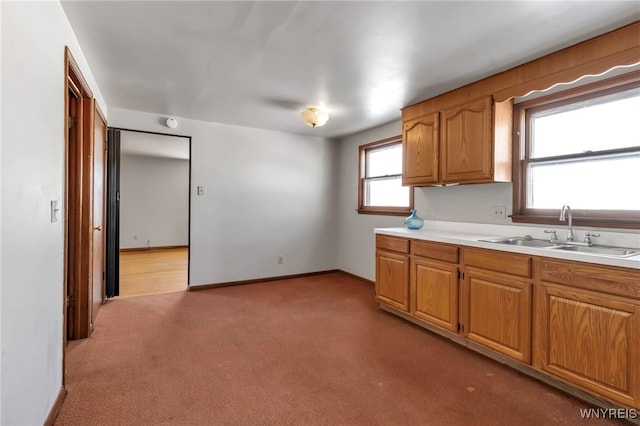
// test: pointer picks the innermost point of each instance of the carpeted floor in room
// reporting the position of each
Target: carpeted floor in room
(307, 351)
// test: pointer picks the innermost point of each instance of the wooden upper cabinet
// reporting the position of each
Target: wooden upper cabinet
(468, 143)
(420, 141)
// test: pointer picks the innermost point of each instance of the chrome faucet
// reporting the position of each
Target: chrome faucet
(566, 209)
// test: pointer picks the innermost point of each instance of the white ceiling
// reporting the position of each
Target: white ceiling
(259, 64)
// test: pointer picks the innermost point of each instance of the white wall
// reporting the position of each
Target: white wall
(356, 242)
(154, 200)
(32, 174)
(268, 194)
(464, 203)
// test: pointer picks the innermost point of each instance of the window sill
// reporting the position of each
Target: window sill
(600, 222)
(386, 211)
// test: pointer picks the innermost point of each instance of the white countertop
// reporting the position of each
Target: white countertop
(469, 235)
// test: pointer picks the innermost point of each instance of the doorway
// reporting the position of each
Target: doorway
(83, 206)
(153, 203)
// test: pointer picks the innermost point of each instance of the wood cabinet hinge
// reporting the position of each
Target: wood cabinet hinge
(70, 300)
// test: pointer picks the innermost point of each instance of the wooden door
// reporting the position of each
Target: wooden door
(498, 312)
(466, 143)
(392, 279)
(590, 339)
(98, 242)
(434, 293)
(420, 150)
(79, 202)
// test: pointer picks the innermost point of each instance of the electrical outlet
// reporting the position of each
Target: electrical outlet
(280, 259)
(498, 212)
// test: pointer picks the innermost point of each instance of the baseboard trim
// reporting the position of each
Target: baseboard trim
(124, 250)
(357, 277)
(259, 280)
(55, 408)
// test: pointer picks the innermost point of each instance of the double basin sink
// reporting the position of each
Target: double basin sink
(546, 244)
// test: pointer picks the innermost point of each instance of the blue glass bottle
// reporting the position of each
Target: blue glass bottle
(414, 221)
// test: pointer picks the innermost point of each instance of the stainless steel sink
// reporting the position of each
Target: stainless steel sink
(527, 241)
(522, 241)
(600, 250)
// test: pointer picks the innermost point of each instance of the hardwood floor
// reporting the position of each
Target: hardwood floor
(153, 271)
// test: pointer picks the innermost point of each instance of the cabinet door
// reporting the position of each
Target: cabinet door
(498, 312)
(590, 339)
(466, 146)
(392, 279)
(420, 150)
(434, 293)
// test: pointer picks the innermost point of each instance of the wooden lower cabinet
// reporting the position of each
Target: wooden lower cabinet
(434, 293)
(497, 312)
(392, 279)
(586, 337)
(575, 322)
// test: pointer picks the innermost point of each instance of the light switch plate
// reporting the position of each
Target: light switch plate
(54, 211)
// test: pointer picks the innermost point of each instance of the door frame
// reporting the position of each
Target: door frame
(113, 206)
(100, 118)
(78, 202)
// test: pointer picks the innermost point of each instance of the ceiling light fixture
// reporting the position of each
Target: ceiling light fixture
(314, 117)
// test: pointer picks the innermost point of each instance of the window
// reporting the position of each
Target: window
(380, 189)
(580, 147)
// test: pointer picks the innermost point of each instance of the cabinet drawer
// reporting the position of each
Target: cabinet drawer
(400, 245)
(493, 260)
(612, 280)
(438, 251)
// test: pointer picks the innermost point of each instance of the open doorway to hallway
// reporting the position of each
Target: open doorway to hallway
(154, 213)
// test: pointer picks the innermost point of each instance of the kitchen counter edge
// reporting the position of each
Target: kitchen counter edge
(472, 240)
